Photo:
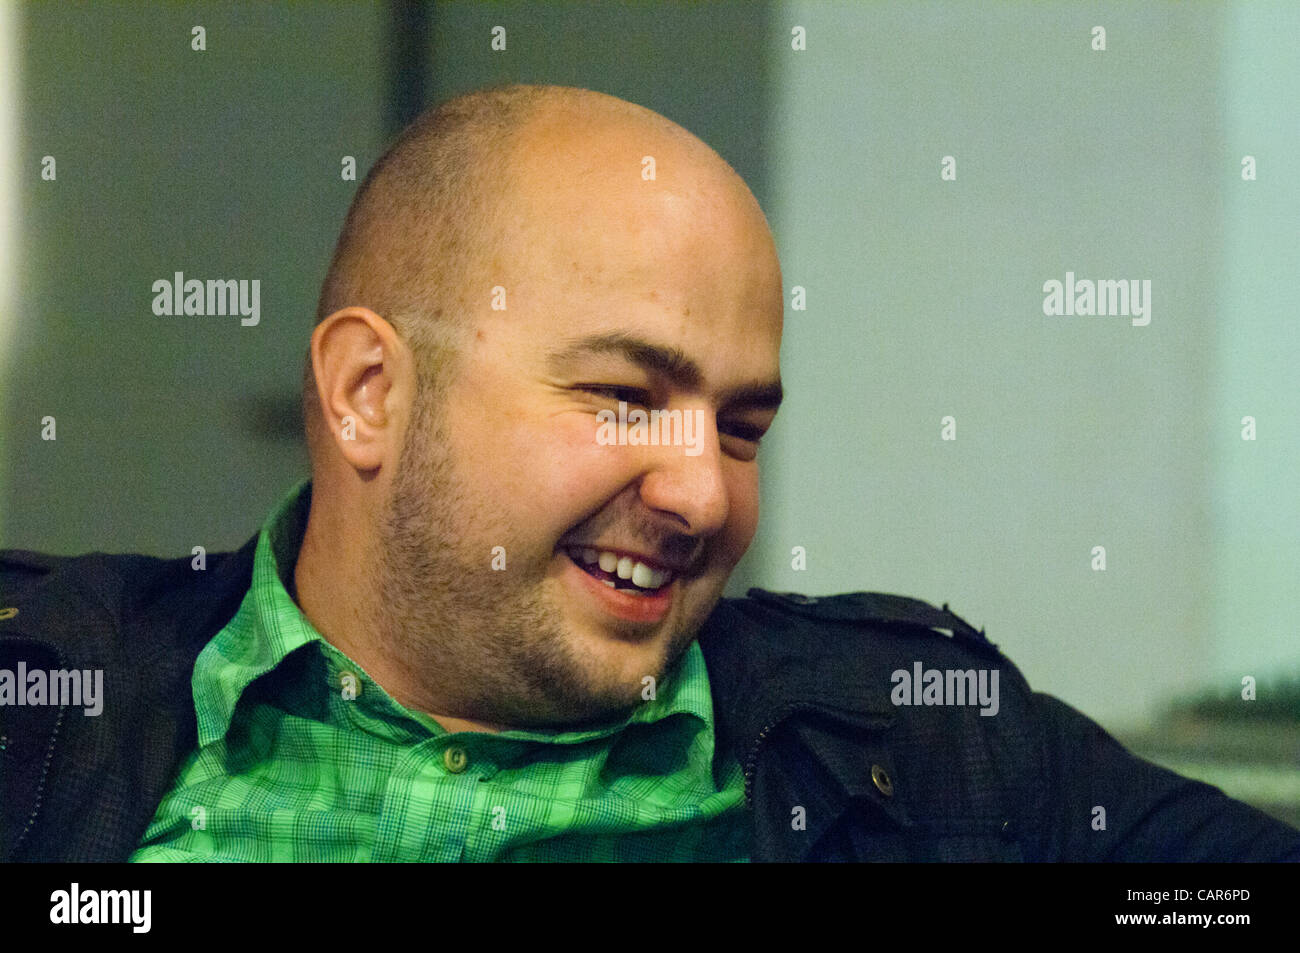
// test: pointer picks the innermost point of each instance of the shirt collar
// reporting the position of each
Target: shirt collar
(269, 627)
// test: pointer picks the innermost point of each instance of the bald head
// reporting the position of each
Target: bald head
(522, 264)
(470, 183)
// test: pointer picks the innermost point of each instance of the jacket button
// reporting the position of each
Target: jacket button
(880, 778)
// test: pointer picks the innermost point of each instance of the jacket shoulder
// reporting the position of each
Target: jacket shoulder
(772, 650)
(49, 596)
(92, 583)
(888, 614)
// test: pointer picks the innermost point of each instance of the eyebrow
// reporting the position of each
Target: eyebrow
(668, 362)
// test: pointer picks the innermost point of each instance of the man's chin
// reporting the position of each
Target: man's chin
(618, 646)
(619, 665)
(593, 694)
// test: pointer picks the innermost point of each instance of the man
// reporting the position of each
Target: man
(489, 627)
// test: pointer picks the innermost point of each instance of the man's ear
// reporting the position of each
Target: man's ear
(364, 382)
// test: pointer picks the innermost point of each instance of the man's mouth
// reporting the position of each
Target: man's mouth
(620, 571)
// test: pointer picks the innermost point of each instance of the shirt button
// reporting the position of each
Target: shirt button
(880, 778)
(456, 759)
(349, 685)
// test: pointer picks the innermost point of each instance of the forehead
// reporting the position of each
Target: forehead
(591, 243)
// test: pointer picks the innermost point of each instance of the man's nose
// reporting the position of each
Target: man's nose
(690, 485)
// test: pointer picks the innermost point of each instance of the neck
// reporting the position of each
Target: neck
(338, 604)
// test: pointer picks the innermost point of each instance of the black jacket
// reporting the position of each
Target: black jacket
(834, 769)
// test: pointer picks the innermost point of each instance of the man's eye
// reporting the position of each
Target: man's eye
(631, 395)
(741, 441)
(743, 431)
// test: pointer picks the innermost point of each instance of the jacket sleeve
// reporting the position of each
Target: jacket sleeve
(1150, 813)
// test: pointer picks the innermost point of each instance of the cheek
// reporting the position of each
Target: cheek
(540, 474)
(742, 516)
(584, 475)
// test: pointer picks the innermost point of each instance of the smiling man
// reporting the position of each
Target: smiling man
(485, 631)
(474, 558)
(663, 291)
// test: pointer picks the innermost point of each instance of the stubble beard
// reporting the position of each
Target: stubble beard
(474, 643)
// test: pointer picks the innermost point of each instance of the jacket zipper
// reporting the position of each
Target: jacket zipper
(781, 714)
(49, 755)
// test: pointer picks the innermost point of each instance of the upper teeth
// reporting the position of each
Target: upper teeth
(626, 567)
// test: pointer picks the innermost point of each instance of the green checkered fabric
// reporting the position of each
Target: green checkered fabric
(303, 757)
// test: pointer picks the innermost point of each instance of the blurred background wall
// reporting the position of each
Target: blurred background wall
(923, 296)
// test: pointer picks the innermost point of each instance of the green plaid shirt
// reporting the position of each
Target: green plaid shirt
(302, 757)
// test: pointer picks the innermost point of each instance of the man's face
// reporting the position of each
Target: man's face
(663, 294)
